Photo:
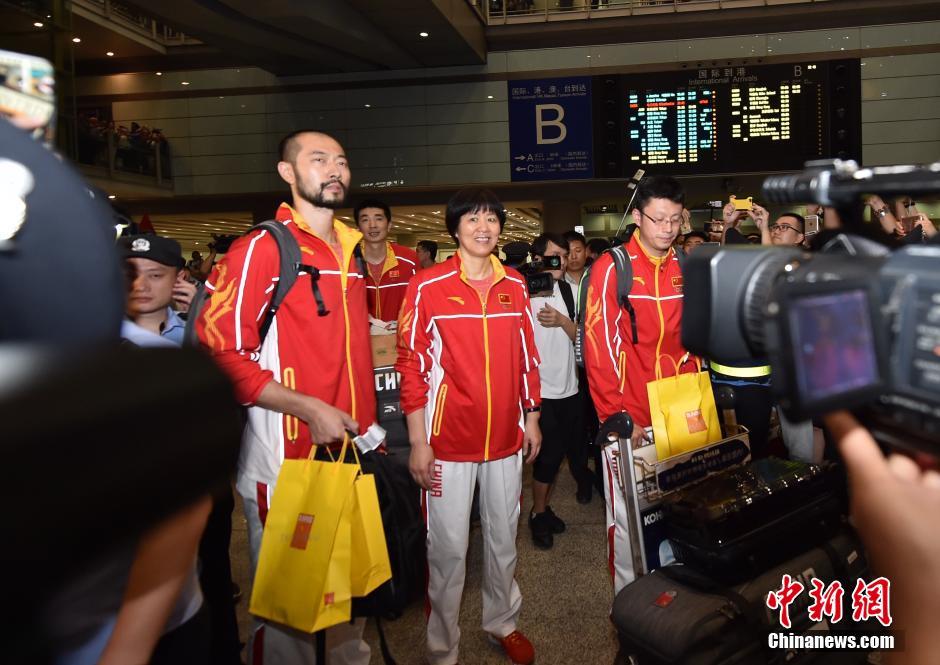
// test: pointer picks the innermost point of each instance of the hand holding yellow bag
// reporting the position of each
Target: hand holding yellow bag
(370, 566)
(303, 575)
(682, 408)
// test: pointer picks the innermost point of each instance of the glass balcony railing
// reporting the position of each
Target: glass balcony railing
(132, 19)
(496, 12)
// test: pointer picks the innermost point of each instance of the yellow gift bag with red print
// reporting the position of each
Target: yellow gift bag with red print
(370, 566)
(682, 408)
(303, 575)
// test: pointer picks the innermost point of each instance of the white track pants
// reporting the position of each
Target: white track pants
(619, 554)
(447, 513)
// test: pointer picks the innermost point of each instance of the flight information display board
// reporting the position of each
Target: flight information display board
(736, 119)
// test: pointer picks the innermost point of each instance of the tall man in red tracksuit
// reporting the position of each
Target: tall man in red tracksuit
(470, 391)
(619, 365)
(310, 379)
(390, 265)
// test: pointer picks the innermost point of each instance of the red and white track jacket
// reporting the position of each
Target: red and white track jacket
(386, 297)
(472, 366)
(618, 370)
(328, 357)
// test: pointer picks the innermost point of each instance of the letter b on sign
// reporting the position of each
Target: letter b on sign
(545, 119)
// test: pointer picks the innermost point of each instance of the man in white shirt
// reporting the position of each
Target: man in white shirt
(561, 403)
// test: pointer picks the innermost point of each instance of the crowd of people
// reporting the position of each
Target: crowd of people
(489, 384)
(135, 147)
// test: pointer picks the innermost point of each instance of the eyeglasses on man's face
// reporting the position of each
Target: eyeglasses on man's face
(671, 221)
(782, 228)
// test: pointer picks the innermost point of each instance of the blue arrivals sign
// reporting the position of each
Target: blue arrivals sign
(550, 129)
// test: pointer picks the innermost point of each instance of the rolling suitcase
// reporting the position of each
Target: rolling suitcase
(677, 616)
(744, 520)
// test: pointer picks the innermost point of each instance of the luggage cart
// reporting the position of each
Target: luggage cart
(645, 480)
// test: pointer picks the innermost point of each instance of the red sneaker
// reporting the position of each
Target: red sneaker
(517, 647)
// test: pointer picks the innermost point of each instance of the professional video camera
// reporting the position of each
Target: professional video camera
(537, 279)
(855, 326)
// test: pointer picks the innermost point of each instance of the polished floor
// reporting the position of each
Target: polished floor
(566, 592)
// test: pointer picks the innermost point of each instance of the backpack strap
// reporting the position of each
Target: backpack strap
(290, 265)
(582, 304)
(568, 297)
(624, 285)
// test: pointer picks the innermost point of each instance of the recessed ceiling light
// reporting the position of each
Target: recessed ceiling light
(38, 24)
(110, 54)
(489, 96)
(77, 40)
(368, 106)
(112, 196)
(184, 82)
(422, 34)
(159, 73)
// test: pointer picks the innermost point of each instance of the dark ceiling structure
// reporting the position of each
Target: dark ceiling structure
(297, 37)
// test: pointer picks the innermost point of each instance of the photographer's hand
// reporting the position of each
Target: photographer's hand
(760, 216)
(895, 506)
(925, 223)
(549, 317)
(731, 215)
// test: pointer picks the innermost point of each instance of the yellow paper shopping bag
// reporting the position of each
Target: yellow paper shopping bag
(370, 566)
(302, 579)
(682, 408)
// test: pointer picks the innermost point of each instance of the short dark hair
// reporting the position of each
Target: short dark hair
(696, 234)
(430, 247)
(598, 245)
(287, 149)
(372, 203)
(797, 217)
(472, 199)
(659, 187)
(574, 236)
(540, 244)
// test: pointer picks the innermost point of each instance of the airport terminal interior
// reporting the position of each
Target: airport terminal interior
(572, 115)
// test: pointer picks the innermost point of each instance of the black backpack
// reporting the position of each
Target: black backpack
(291, 265)
(624, 268)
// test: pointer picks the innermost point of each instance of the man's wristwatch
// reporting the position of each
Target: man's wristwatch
(882, 212)
(533, 409)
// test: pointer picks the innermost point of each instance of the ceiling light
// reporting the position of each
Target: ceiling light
(38, 24)
(489, 96)
(368, 106)
(112, 196)
(184, 82)
(422, 34)
(110, 54)
(77, 40)
(159, 73)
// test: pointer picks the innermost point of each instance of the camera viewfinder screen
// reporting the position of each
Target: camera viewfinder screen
(833, 344)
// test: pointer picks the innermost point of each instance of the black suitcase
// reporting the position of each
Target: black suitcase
(677, 616)
(744, 520)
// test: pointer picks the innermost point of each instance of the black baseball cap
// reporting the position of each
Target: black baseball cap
(156, 248)
(517, 249)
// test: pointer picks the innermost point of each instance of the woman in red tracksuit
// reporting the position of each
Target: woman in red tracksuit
(470, 390)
